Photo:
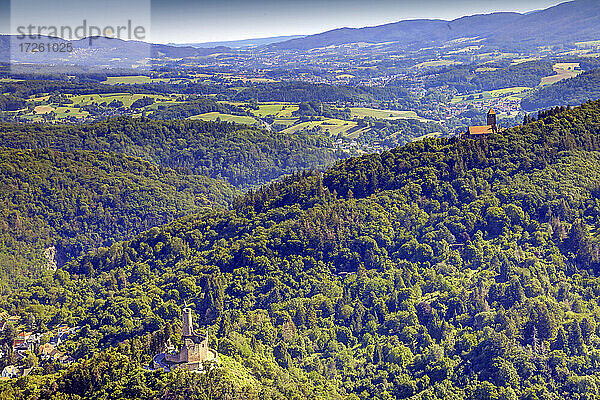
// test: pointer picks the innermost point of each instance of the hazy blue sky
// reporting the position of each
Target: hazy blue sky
(185, 21)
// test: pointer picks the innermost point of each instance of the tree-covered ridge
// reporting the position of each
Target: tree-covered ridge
(467, 78)
(293, 91)
(79, 200)
(433, 162)
(571, 91)
(443, 269)
(243, 156)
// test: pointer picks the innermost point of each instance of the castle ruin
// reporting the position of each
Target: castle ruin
(193, 352)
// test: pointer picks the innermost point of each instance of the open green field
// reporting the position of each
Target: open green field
(523, 60)
(329, 126)
(287, 122)
(213, 116)
(276, 110)
(362, 112)
(427, 136)
(64, 112)
(132, 80)
(437, 63)
(516, 91)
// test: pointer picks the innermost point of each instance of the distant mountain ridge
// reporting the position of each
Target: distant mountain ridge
(98, 51)
(239, 43)
(567, 22)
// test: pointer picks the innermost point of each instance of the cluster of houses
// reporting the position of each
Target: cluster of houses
(353, 146)
(44, 345)
(504, 104)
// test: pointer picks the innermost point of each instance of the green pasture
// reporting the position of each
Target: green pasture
(132, 80)
(330, 126)
(213, 116)
(437, 63)
(362, 112)
(516, 91)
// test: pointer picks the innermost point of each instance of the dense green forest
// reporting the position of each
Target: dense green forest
(80, 200)
(242, 155)
(572, 91)
(444, 269)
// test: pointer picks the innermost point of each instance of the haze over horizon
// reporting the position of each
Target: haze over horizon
(188, 21)
(239, 20)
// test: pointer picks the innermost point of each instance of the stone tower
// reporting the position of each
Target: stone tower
(491, 120)
(194, 350)
(187, 328)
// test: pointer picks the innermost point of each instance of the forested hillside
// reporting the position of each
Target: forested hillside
(469, 79)
(572, 91)
(241, 155)
(79, 200)
(444, 269)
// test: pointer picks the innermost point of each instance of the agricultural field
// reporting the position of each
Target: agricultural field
(428, 136)
(437, 63)
(328, 126)
(43, 109)
(512, 92)
(361, 112)
(275, 110)
(563, 71)
(284, 122)
(132, 80)
(523, 60)
(216, 116)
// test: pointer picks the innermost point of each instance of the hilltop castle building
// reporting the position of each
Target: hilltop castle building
(192, 353)
(481, 131)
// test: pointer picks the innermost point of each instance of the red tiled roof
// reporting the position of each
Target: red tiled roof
(480, 130)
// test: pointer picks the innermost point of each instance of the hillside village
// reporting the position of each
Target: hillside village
(27, 349)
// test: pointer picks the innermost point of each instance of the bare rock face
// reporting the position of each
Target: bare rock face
(50, 254)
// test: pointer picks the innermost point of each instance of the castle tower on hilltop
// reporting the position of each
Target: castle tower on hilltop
(483, 130)
(491, 120)
(194, 350)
